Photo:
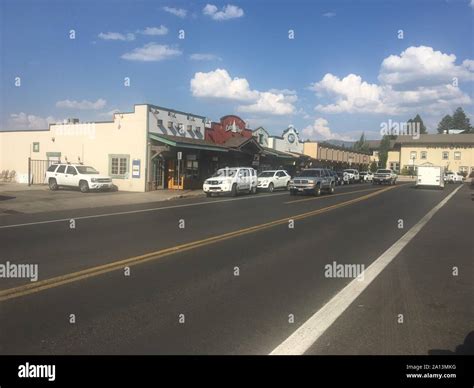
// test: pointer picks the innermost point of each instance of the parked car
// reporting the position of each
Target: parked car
(231, 180)
(312, 181)
(337, 177)
(76, 175)
(353, 175)
(384, 176)
(365, 176)
(273, 179)
(344, 177)
(454, 177)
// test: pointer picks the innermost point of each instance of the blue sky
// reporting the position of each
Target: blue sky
(346, 70)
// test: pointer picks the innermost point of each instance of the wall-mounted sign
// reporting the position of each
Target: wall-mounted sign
(136, 168)
(180, 155)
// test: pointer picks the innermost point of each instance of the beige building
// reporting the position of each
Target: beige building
(333, 155)
(454, 152)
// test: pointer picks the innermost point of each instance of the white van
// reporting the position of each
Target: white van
(430, 176)
(231, 180)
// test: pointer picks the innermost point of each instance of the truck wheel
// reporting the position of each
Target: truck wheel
(83, 186)
(233, 192)
(331, 189)
(271, 187)
(254, 190)
(317, 191)
(53, 185)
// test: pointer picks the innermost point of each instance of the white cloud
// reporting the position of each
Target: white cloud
(218, 84)
(83, 105)
(25, 121)
(471, 4)
(180, 12)
(329, 14)
(116, 36)
(270, 103)
(204, 57)
(227, 12)
(320, 130)
(152, 52)
(154, 31)
(423, 66)
(419, 79)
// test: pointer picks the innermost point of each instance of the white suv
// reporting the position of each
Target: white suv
(273, 179)
(231, 180)
(76, 175)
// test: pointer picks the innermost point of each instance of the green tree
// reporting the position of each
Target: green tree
(460, 120)
(383, 150)
(418, 123)
(445, 124)
(373, 166)
(361, 145)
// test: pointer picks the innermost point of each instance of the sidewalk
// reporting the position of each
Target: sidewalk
(19, 198)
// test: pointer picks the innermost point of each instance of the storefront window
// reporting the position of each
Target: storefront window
(192, 169)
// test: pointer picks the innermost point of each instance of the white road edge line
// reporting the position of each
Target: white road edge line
(309, 332)
(139, 211)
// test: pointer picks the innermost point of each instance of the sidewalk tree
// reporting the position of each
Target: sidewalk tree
(383, 151)
(373, 166)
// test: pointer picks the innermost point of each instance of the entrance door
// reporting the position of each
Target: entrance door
(175, 182)
(159, 172)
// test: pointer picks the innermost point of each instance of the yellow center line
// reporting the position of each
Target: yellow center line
(329, 196)
(57, 281)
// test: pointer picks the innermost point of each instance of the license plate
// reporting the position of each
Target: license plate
(300, 189)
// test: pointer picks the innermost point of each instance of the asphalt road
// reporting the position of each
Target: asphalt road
(183, 296)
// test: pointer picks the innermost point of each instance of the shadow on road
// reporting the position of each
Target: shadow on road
(466, 348)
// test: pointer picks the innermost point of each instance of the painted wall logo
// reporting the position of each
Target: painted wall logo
(37, 371)
(394, 128)
(335, 270)
(19, 271)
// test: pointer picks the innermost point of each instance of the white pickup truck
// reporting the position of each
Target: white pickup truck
(384, 176)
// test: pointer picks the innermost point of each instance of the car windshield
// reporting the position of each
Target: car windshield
(311, 173)
(384, 171)
(229, 172)
(86, 170)
(266, 174)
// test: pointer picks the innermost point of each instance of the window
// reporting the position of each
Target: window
(457, 155)
(71, 170)
(413, 155)
(118, 166)
(395, 166)
(445, 155)
(192, 169)
(61, 169)
(160, 122)
(170, 125)
(189, 127)
(281, 174)
(36, 147)
(423, 154)
(260, 138)
(463, 169)
(198, 129)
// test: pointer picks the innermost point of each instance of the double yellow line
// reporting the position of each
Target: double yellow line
(57, 281)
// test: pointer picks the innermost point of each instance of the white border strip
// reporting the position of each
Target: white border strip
(308, 333)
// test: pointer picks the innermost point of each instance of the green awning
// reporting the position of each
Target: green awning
(183, 142)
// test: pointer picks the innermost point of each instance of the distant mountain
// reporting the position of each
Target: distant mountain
(341, 143)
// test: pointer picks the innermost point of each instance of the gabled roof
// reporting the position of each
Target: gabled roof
(239, 142)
